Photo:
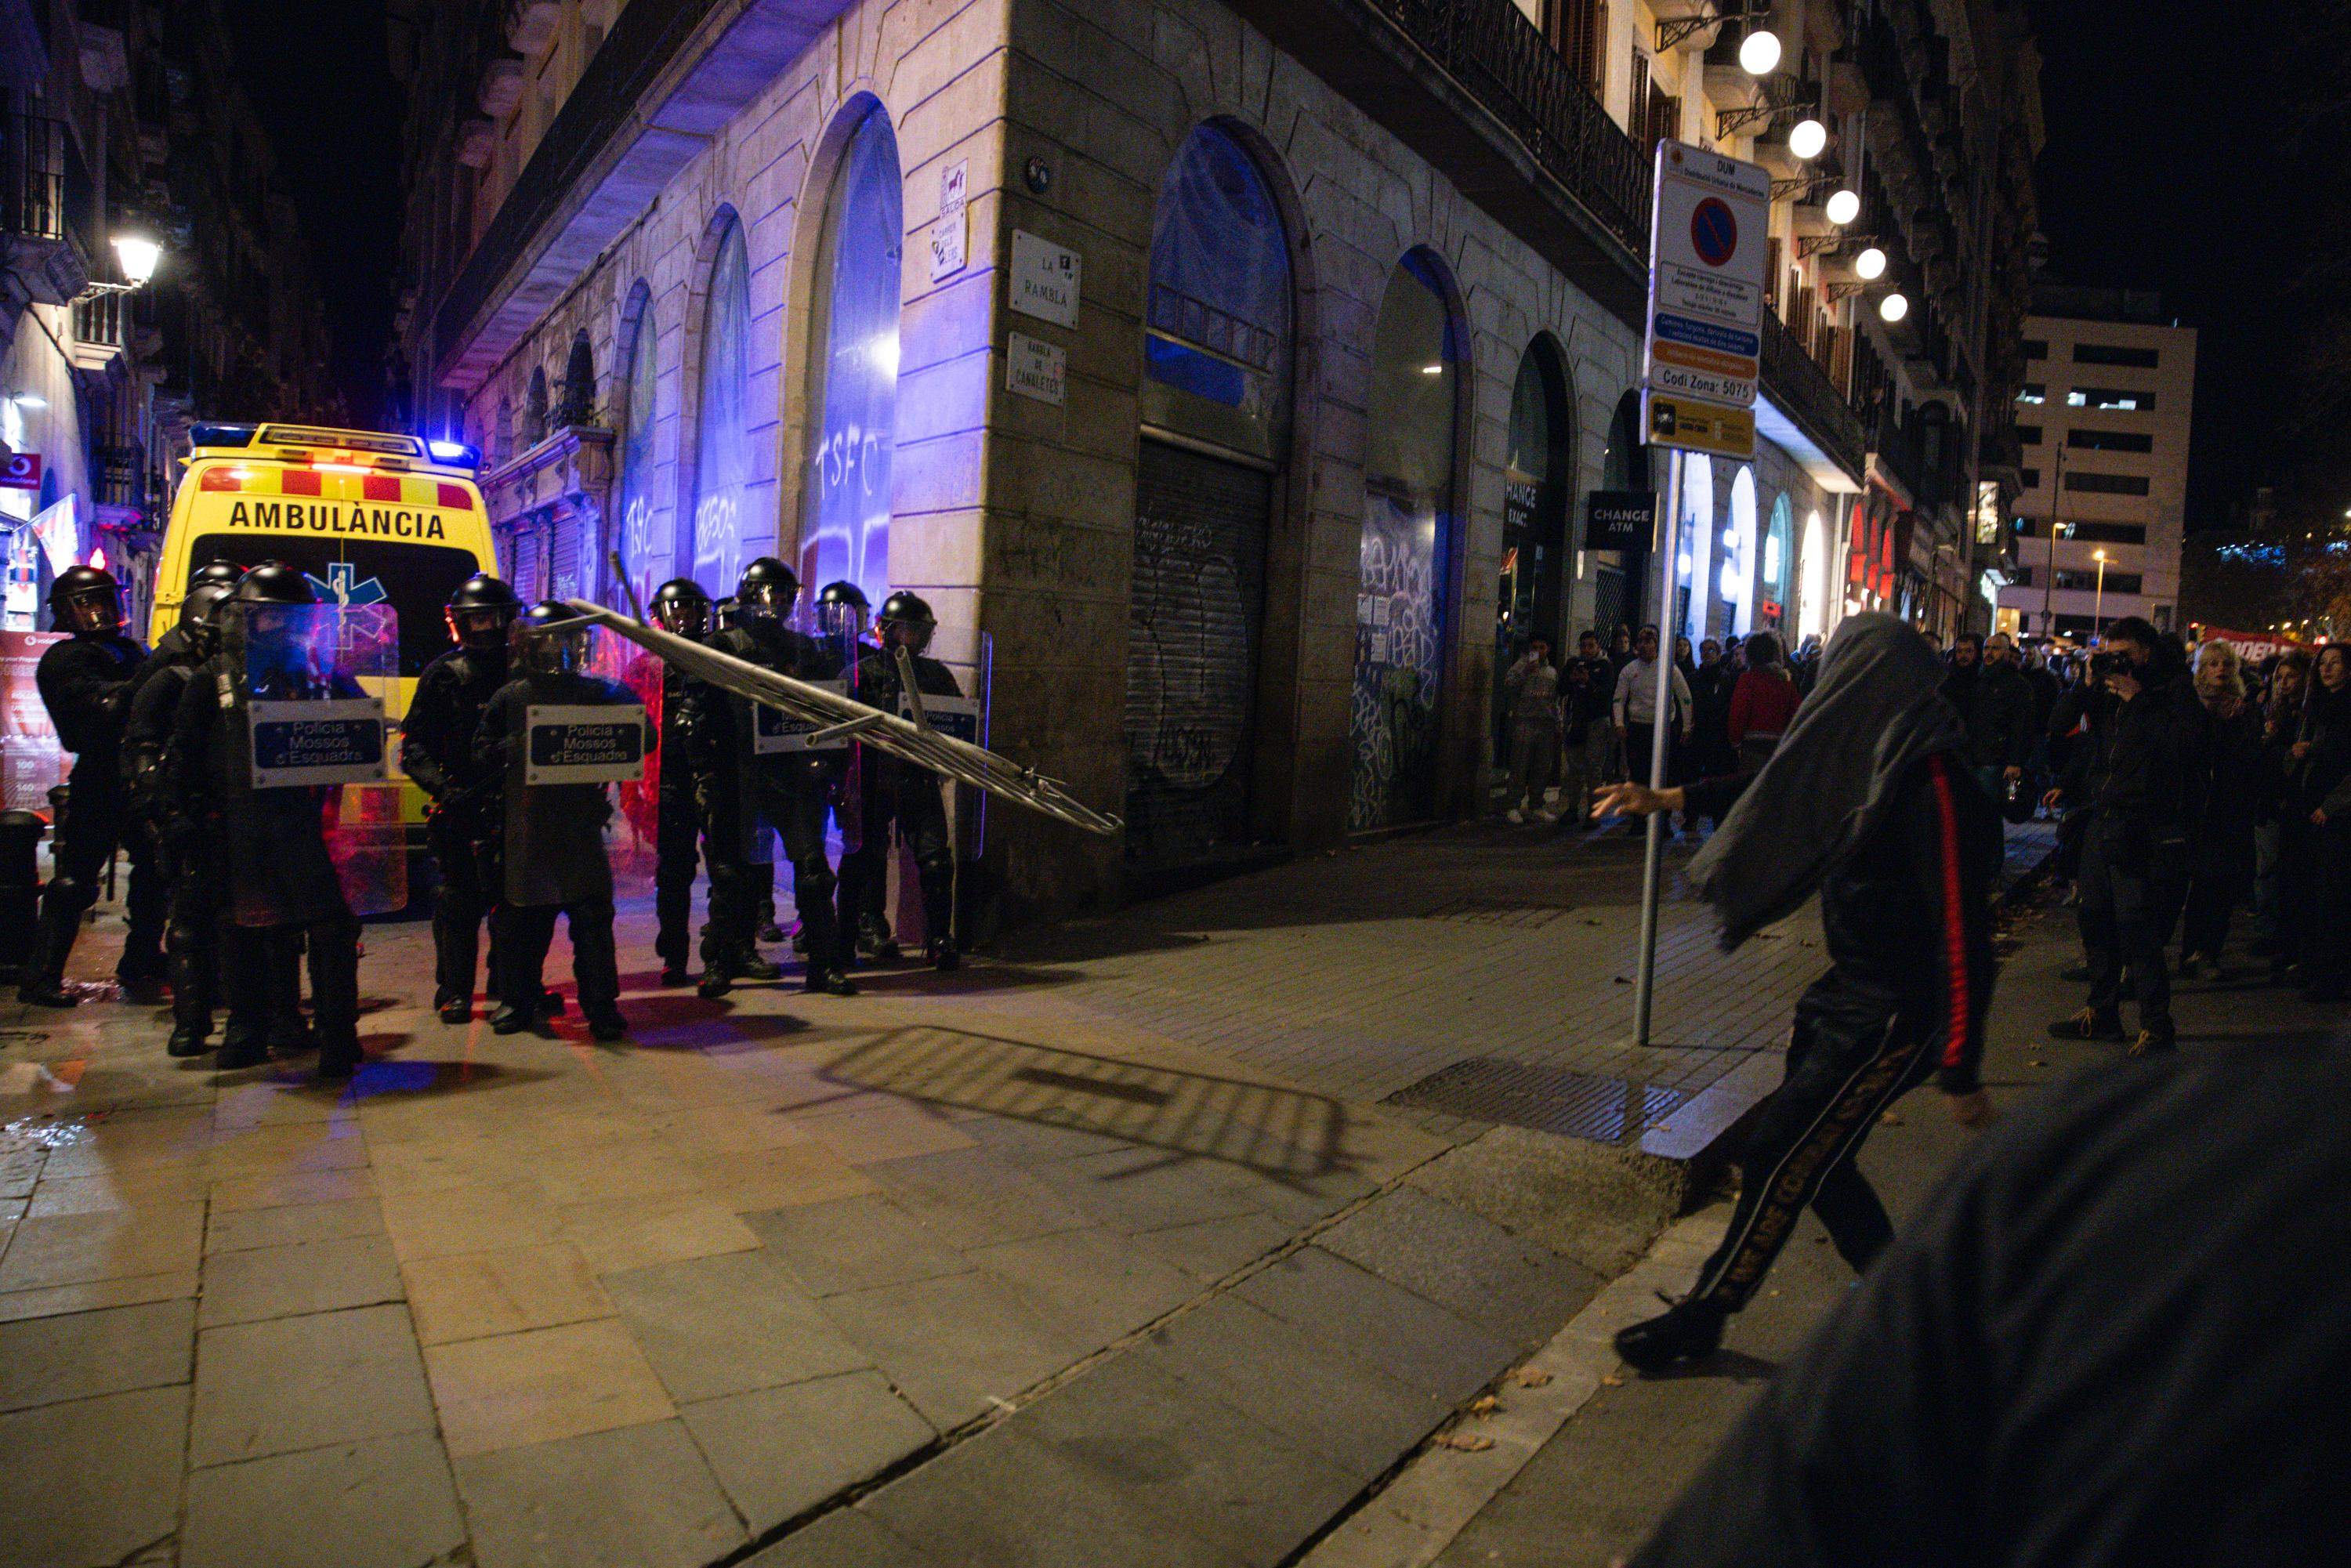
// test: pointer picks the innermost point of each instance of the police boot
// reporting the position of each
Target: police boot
(874, 940)
(943, 954)
(43, 981)
(242, 1046)
(454, 1009)
(605, 1023)
(508, 1019)
(1688, 1331)
(824, 979)
(186, 1041)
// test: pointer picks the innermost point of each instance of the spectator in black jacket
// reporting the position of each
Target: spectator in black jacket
(2288, 686)
(1864, 803)
(2135, 851)
(2317, 847)
(1996, 706)
(2220, 850)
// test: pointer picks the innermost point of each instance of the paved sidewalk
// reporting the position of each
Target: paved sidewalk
(1105, 1240)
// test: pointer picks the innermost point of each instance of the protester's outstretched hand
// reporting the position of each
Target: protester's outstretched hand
(1630, 800)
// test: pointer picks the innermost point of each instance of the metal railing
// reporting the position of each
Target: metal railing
(122, 476)
(101, 319)
(1490, 47)
(45, 191)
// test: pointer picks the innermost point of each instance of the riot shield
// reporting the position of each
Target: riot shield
(316, 812)
(568, 734)
(943, 688)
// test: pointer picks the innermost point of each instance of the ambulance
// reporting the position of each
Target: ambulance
(370, 517)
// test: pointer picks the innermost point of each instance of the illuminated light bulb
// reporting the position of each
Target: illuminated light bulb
(1759, 52)
(1870, 265)
(1808, 138)
(138, 255)
(1893, 308)
(1843, 206)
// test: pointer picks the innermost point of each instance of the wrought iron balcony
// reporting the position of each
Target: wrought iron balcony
(48, 207)
(1797, 384)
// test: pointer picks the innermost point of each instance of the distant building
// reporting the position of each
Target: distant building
(2103, 422)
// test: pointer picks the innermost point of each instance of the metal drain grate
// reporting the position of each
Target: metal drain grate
(1498, 912)
(1548, 1099)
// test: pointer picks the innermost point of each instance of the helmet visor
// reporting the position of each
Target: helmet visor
(92, 609)
(768, 598)
(681, 616)
(480, 626)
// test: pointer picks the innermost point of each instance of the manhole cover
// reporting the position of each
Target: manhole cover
(1548, 1099)
(1498, 912)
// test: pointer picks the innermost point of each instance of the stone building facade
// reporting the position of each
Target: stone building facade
(1234, 374)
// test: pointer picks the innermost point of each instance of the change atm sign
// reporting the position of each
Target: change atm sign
(1707, 263)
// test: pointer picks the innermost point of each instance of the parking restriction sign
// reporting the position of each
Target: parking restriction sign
(1706, 257)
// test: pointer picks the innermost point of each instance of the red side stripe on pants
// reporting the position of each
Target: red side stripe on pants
(1955, 939)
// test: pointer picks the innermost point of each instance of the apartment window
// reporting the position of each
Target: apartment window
(2030, 434)
(2115, 354)
(2111, 397)
(2033, 392)
(1578, 29)
(1655, 113)
(2107, 483)
(2036, 348)
(2031, 477)
(2086, 533)
(1772, 294)
(2088, 582)
(2110, 440)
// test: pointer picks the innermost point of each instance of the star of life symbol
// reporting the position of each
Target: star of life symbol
(341, 588)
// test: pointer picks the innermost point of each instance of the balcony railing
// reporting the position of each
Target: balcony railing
(1490, 47)
(101, 320)
(45, 191)
(1792, 377)
(121, 477)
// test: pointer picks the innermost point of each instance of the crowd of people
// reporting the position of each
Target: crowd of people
(234, 877)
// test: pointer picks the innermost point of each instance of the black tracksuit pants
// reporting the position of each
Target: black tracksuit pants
(1855, 1049)
(2127, 910)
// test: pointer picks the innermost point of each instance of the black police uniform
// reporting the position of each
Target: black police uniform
(85, 683)
(191, 871)
(789, 792)
(679, 823)
(897, 796)
(436, 749)
(552, 850)
(281, 882)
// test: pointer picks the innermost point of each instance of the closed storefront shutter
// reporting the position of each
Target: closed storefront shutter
(1193, 624)
(564, 557)
(530, 562)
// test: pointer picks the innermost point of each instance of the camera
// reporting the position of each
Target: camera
(2105, 665)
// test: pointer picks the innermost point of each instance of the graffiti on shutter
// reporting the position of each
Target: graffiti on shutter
(563, 567)
(1193, 626)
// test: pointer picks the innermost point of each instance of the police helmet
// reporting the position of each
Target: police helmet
(275, 582)
(906, 620)
(553, 639)
(480, 611)
(767, 588)
(200, 615)
(86, 598)
(224, 572)
(841, 608)
(682, 607)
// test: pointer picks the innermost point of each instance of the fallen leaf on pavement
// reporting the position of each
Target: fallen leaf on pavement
(1485, 1404)
(1528, 1377)
(1889, 1120)
(1612, 1380)
(1465, 1442)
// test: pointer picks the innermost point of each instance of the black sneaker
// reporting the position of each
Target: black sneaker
(239, 1052)
(828, 983)
(717, 982)
(510, 1019)
(606, 1024)
(1688, 1331)
(943, 955)
(2088, 1024)
(337, 1062)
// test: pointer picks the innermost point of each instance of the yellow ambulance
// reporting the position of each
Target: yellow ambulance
(372, 518)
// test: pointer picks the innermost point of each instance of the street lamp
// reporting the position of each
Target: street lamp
(1843, 206)
(138, 255)
(1808, 138)
(2098, 604)
(1893, 308)
(1870, 265)
(1759, 52)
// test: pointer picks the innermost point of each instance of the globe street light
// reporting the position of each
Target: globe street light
(1870, 265)
(1893, 308)
(1843, 206)
(1759, 52)
(1808, 138)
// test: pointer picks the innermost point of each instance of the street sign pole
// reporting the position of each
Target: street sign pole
(1701, 358)
(1653, 864)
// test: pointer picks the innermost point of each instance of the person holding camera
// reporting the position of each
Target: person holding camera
(2142, 795)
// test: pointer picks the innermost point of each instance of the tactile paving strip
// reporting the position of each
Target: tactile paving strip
(1548, 1099)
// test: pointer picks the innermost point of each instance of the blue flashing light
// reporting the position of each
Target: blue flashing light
(455, 451)
(222, 434)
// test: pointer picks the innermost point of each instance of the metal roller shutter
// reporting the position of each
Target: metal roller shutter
(530, 563)
(564, 558)
(1193, 625)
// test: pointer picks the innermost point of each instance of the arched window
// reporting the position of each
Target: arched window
(1624, 465)
(712, 553)
(534, 421)
(1813, 609)
(1778, 568)
(633, 536)
(1738, 576)
(845, 526)
(1214, 411)
(1402, 611)
(577, 403)
(1692, 570)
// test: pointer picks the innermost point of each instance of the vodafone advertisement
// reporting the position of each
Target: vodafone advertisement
(30, 763)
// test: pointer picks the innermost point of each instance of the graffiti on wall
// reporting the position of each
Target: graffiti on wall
(1398, 659)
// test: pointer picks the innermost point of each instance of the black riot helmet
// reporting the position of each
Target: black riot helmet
(275, 582)
(682, 608)
(224, 572)
(86, 600)
(905, 622)
(481, 610)
(277, 636)
(767, 589)
(722, 613)
(200, 616)
(552, 639)
(840, 609)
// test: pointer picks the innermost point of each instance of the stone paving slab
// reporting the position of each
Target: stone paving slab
(388, 1503)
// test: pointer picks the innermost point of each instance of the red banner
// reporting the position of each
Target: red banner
(2251, 646)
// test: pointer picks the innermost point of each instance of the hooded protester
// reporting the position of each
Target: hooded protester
(1866, 802)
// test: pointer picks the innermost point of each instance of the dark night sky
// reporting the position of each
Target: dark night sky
(2161, 172)
(317, 77)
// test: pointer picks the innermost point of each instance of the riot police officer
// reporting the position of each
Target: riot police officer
(436, 749)
(681, 608)
(191, 956)
(896, 796)
(281, 881)
(553, 844)
(172, 644)
(842, 614)
(85, 683)
(788, 791)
